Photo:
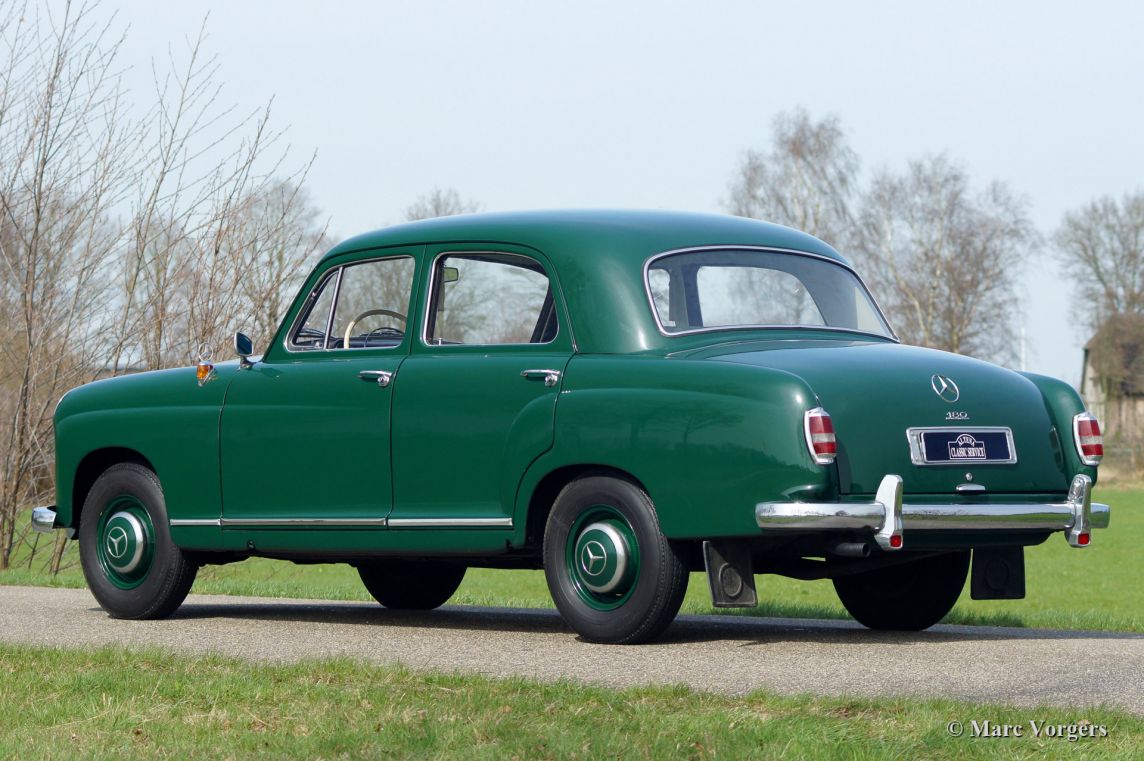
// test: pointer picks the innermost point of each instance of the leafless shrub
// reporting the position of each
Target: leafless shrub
(126, 238)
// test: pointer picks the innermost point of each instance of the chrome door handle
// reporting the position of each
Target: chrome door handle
(551, 377)
(383, 377)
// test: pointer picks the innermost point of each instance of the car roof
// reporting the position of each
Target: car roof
(561, 233)
(598, 257)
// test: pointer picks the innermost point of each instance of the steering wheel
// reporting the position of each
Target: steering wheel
(369, 313)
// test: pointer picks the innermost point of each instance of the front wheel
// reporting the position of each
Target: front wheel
(408, 585)
(908, 597)
(132, 567)
(612, 573)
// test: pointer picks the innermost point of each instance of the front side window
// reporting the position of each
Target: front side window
(490, 298)
(358, 306)
(729, 288)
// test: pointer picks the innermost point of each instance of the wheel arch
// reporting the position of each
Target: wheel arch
(93, 465)
(544, 494)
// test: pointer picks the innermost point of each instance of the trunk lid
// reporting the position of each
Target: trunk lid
(875, 391)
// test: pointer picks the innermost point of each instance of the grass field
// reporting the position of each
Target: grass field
(111, 704)
(1093, 588)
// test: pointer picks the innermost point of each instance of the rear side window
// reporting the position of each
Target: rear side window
(488, 299)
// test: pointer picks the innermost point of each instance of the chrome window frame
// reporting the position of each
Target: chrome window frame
(771, 250)
(287, 340)
(433, 281)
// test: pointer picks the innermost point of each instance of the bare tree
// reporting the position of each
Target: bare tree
(62, 170)
(807, 180)
(942, 258)
(1101, 246)
(126, 238)
(439, 203)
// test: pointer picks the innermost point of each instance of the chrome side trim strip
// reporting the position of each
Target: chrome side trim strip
(450, 522)
(44, 519)
(254, 522)
(348, 522)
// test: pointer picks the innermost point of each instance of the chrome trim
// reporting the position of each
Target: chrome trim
(44, 519)
(917, 449)
(337, 293)
(429, 298)
(823, 516)
(621, 546)
(370, 522)
(969, 489)
(818, 459)
(1092, 462)
(248, 522)
(551, 377)
(334, 308)
(769, 249)
(889, 497)
(382, 377)
(450, 522)
(140, 543)
(1080, 499)
(946, 384)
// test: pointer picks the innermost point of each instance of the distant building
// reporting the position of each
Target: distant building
(1112, 377)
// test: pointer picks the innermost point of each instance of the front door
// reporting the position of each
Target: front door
(305, 434)
(477, 395)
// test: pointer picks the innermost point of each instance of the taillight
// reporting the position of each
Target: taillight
(1089, 441)
(820, 436)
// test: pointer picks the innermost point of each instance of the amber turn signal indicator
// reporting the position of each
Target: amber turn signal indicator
(203, 372)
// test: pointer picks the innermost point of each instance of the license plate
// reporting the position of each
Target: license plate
(961, 446)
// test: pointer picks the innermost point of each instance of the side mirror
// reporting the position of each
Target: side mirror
(243, 347)
(450, 274)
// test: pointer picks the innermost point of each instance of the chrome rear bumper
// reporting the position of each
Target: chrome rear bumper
(888, 517)
(44, 519)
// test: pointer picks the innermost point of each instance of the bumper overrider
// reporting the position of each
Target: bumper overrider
(44, 520)
(890, 519)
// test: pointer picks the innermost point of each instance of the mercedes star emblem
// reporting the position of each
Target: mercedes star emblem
(944, 387)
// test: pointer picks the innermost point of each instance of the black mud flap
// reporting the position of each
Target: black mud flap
(998, 573)
(730, 575)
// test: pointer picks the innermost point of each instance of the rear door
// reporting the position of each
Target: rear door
(477, 395)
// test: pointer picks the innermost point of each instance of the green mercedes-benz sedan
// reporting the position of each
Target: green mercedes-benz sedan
(618, 398)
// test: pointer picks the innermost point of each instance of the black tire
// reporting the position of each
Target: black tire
(130, 563)
(622, 602)
(908, 597)
(411, 585)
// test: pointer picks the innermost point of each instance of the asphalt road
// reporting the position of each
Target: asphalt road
(722, 654)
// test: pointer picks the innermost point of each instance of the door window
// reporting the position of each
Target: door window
(358, 306)
(490, 298)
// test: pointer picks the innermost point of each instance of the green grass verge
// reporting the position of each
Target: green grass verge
(1093, 588)
(63, 703)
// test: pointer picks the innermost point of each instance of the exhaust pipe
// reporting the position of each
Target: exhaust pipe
(851, 549)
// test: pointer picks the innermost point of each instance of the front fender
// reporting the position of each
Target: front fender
(164, 417)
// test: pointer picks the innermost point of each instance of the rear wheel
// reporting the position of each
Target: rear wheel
(908, 597)
(130, 563)
(411, 585)
(612, 573)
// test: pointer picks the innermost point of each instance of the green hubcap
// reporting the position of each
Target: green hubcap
(126, 542)
(602, 558)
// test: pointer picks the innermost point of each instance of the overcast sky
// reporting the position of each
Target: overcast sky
(590, 104)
